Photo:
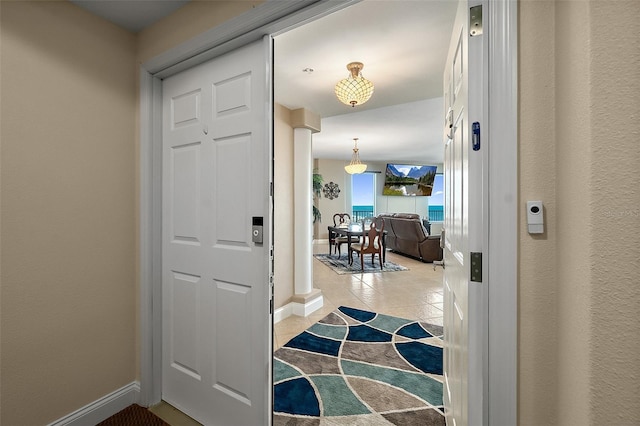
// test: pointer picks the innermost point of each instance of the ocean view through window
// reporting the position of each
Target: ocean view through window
(436, 200)
(363, 196)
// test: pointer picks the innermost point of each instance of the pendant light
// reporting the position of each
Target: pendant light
(355, 167)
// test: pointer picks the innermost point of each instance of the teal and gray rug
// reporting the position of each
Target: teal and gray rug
(357, 367)
(341, 264)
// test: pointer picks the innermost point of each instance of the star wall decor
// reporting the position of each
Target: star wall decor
(331, 190)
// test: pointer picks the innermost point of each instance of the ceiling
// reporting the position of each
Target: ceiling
(403, 45)
(132, 15)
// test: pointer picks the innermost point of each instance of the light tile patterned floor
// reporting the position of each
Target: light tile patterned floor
(413, 294)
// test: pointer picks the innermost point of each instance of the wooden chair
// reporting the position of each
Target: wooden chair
(335, 240)
(371, 243)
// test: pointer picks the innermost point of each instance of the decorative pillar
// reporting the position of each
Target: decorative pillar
(306, 299)
(303, 219)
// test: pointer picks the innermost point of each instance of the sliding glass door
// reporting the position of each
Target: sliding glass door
(363, 195)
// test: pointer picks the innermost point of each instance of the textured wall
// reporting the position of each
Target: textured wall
(537, 253)
(578, 130)
(614, 184)
(573, 147)
(68, 241)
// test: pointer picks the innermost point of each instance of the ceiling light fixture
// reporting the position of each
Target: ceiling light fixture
(355, 167)
(355, 89)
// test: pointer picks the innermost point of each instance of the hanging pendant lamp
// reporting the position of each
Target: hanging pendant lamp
(355, 89)
(355, 167)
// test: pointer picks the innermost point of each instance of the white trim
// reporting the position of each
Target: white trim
(306, 309)
(102, 408)
(150, 239)
(298, 309)
(283, 313)
(502, 19)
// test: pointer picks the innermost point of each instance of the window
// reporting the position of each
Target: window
(436, 200)
(363, 195)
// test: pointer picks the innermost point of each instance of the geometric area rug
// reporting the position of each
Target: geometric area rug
(356, 367)
(340, 265)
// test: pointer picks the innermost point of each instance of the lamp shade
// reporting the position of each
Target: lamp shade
(355, 89)
(355, 167)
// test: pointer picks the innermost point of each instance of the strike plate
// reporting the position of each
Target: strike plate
(475, 21)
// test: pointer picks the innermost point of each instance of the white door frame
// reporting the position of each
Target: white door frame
(499, 136)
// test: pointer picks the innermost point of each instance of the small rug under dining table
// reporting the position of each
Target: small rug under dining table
(340, 265)
(356, 367)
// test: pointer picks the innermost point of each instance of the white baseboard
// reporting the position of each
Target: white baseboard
(282, 313)
(299, 309)
(103, 408)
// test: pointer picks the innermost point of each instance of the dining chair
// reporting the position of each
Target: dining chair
(371, 243)
(337, 240)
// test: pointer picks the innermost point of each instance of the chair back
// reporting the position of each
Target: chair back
(341, 219)
(372, 241)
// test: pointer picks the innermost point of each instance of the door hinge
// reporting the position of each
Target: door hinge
(475, 21)
(476, 267)
(271, 189)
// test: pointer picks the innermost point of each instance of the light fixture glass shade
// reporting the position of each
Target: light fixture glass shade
(355, 167)
(355, 89)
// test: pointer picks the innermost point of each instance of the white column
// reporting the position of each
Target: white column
(303, 219)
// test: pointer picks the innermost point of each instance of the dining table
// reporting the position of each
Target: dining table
(354, 229)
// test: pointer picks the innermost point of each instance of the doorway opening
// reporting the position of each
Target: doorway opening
(412, 294)
(503, 196)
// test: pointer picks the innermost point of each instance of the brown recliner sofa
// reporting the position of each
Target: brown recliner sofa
(407, 235)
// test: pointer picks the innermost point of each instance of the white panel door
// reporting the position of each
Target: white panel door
(464, 313)
(216, 294)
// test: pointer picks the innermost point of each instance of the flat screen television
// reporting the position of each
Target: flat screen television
(408, 180)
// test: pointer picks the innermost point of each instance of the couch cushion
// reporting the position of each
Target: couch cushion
(408, 229)
(406, 215)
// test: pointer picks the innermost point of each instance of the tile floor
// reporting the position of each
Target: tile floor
(412, 294)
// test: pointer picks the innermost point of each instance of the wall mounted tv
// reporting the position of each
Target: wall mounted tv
(408, 180)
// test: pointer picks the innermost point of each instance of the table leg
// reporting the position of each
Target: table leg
(384, 248)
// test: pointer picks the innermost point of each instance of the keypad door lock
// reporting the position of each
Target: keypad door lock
(256, 229)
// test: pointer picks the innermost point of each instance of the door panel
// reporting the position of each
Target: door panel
(184, 170)
(184, 326)
(216, 293)
(464, 316)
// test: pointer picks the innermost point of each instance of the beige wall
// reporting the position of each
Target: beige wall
(283, 267)
(578, 302)
(537, 356)
(68, 240)
(331, 171)
(187, 22)
(68, 206)
(614, 210)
